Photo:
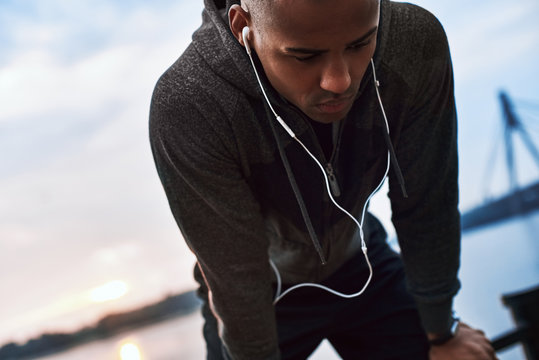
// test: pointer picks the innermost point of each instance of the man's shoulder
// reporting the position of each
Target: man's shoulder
(415, 45)
(189, 87)
(411, 17)
(189, 77)
(414, 26)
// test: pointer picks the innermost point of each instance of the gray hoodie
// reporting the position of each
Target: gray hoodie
(220, 158)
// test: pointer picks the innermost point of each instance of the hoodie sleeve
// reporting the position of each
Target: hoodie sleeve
(428, 221)
(220, 220)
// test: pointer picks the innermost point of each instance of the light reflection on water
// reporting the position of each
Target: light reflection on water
(179, 338)
(130, 351)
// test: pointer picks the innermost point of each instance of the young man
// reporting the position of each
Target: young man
(249, 193)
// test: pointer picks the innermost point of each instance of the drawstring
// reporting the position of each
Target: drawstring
(295, 188)
(395, 163)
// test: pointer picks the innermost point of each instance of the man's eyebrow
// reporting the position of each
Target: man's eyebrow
(363, 37)
(321, 51)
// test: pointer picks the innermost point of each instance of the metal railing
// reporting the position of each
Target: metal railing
(524, 306)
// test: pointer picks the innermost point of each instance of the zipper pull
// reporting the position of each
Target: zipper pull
(335, 190)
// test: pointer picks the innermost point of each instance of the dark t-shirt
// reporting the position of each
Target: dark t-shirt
(324, 134)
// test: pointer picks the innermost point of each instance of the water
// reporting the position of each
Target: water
(498, 259)
(175, 339)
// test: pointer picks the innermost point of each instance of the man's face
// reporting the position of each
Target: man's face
(315, 52)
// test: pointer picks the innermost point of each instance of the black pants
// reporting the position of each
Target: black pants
(383, 323)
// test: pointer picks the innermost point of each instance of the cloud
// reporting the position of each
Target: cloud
(117, 254)
(493, 38)
(53, 103)
(117, 49)
(78, 185)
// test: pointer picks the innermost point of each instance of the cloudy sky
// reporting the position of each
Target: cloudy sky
(80, 202)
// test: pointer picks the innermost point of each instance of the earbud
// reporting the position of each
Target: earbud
(245, 34)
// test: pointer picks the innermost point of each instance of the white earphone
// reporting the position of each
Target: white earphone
(279, 295)
(245, 35)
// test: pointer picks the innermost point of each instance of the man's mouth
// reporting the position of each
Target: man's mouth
(334, 105)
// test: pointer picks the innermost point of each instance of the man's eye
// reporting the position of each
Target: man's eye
(305, 58)
(359, 46)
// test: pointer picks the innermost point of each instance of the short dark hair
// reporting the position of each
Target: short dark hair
(259, 10)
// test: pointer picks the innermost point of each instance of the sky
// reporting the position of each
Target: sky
(81, 205)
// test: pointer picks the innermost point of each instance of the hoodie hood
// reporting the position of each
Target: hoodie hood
(220, 49)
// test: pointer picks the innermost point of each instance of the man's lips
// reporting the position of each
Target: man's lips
(334, 105)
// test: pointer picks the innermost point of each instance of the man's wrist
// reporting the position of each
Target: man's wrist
(440, 339)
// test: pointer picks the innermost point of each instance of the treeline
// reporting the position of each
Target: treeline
(48, 343)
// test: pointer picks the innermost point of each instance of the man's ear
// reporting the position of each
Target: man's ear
(238, 18)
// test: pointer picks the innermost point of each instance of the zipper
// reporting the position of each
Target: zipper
(330, 172)
(334, 186)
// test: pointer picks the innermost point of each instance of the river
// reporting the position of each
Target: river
(497, 259)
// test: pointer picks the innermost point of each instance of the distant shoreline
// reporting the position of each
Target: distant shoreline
(109, 325)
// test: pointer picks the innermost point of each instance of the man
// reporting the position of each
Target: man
(245, 191)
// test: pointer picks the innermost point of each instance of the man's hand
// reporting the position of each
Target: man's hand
(468, 344)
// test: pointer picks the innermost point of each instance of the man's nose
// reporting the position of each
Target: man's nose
(335, 76)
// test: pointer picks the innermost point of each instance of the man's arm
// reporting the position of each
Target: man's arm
(428, 221)
(220, 221)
